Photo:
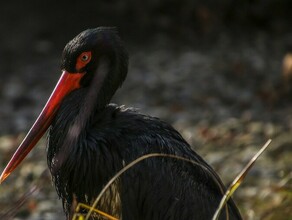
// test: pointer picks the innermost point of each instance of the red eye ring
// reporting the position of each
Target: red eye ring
(82, 60)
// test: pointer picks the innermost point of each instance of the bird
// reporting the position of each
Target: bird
(90, 139)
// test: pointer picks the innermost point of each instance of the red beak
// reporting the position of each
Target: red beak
(67, 83)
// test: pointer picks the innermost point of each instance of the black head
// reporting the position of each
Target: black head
(94, 65)
(83, 54)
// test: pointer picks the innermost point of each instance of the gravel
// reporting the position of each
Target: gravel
(225, 96)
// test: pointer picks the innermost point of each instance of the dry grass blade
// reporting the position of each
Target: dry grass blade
(82, 205)
(36, 186)
(141, 159)
(13, 211)
(238, 180)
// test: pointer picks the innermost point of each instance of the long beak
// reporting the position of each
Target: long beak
(67, 83)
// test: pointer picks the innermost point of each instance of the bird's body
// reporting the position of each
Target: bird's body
(155, 189)
(90, 140)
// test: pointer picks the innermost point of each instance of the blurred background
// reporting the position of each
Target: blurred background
(219, 71)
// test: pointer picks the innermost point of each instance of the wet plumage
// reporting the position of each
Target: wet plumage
(113, 136)
(155, 189)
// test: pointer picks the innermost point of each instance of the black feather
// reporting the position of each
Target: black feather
(91, 140)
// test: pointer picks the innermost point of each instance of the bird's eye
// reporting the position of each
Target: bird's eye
(85, 56)
(83, 59)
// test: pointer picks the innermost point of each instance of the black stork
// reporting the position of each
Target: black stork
(90, 140)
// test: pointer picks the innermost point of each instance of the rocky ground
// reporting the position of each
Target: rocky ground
(225, 94)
